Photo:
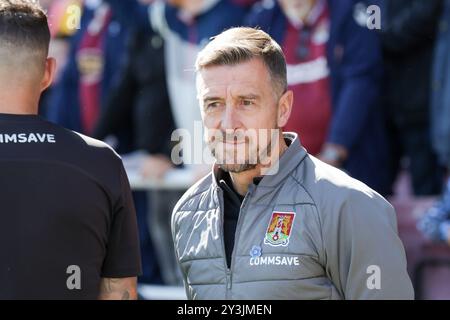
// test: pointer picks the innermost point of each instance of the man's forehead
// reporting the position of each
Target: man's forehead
(222, 89)
(248, 76)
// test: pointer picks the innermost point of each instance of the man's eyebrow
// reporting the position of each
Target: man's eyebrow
(249, 97)
(240, 97)
(212, 98)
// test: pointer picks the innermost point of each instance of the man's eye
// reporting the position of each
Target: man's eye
(247, 102)
(212, 105)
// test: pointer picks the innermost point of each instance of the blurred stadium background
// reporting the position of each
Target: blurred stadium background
(125, 76)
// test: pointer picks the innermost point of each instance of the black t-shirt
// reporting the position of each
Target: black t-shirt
(66, 213)
(232, 207)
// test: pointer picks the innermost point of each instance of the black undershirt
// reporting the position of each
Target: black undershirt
(232, 207)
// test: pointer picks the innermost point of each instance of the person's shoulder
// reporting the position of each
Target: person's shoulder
(330, 187)
(72, 136)
(83, 150)
(192, 197)
(195, 198)
(94, 145)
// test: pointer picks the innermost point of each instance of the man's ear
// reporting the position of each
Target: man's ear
(285, 108)
(50, 67)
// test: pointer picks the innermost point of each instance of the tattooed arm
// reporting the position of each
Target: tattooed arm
(118, 289)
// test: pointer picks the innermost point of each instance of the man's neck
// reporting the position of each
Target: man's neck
(241, 181)
(18, 111)
(18, 104)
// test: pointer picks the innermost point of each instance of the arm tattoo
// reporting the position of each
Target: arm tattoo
(118, 289)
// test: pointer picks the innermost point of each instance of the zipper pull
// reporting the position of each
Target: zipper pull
(228, 279)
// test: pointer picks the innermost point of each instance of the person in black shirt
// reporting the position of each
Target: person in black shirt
(68, 225)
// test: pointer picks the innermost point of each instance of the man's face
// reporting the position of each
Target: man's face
(239, 108)
(297, 9)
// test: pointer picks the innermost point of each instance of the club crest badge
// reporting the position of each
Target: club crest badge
(279, 229)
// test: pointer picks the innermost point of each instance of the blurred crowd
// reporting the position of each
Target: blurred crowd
(373, 102)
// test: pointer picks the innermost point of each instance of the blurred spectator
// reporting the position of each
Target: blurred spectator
(334, 69)
(408, 36)
(141, 97)
(441, 90)
(186, 26)
(435, 225)
(140, 94)
(96, 52)
(62, 26)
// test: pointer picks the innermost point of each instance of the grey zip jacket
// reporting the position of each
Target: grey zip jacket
(309, 231)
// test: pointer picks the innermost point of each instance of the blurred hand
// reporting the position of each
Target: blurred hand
(155, 166)
(333, 154)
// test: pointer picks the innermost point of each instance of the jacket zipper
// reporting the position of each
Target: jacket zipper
(229, 271)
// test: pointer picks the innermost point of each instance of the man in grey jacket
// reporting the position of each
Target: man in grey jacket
(271, 221)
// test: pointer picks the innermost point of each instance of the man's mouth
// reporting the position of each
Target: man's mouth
(232, 143)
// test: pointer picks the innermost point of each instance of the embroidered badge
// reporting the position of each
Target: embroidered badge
(279, 229)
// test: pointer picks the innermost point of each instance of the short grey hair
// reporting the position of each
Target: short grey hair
(238, 45)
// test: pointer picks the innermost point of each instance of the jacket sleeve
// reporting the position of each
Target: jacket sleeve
(357, 77)
(173, 226)
(411, 26)
(365, 256)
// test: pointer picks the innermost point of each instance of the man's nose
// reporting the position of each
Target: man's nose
(230, 118)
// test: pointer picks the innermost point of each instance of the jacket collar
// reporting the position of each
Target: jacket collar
(289, 160)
